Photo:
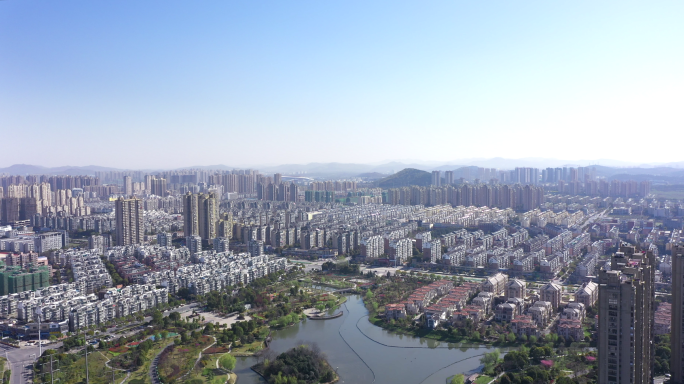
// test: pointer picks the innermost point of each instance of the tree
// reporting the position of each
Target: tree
(490, 360)
(510, 337)
(565, 380)
(537, 353)
(515, 360)
(227, 362)
(209, 328)
(157, 317)
(175, 316)
(457, 379)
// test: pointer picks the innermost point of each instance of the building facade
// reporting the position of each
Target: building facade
(626, 296)
(129, 221)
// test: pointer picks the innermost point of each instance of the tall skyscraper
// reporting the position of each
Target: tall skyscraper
(677, 326)
(626, 296)
(129, 221)
(158, 186)
(201, 216)
(208, 217)
(449, 177)
(128, 186)
(190, 215)
(436, 178)
(148, 183)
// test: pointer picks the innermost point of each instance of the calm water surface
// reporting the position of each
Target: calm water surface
(364, 353)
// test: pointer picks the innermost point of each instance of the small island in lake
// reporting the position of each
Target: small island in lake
(302, 364)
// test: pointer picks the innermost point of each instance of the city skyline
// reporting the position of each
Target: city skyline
(352, 82)
(387, 166)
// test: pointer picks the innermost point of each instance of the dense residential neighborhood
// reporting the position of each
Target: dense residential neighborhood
(512, 263)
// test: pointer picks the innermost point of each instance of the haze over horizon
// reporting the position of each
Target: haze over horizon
(152, 85)
(385, 167)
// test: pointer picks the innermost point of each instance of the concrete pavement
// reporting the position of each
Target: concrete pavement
(21, 359)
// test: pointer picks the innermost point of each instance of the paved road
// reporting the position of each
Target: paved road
(153, 365)
(316, 265)
(21, 359)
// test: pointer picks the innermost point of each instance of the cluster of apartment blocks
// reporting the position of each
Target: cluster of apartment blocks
(394, 245)
(346, 227)
(342, 227)
(528, 314)
(452, 300)
(502, 249)
(511, 248)
(70, 302)
(517, 196)
(215, 271)
(614, 188)
(541, 218)
(79, 303)
(27, 242)
(87, 267)
(133, 262)
(20, 202)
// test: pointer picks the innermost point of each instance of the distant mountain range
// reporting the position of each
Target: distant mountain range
(670, 172)
(26, 169)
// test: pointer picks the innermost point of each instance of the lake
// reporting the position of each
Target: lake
(365, 353)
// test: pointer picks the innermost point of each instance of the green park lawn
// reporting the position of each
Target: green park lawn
(181, 358)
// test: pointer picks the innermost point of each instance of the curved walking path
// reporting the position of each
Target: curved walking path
(198, 358)
(228, 373)
(155, 363)
(128, 373)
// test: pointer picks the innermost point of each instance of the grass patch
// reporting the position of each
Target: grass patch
(98, 372)
(178, 360)
(248, 349)
(207, 372)
(142, 373)
(483, 379)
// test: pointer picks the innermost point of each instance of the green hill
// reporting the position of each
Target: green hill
(405, 178)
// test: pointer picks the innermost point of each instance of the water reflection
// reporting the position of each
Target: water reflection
(363, 351)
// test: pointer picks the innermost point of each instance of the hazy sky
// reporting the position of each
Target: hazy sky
(167, 84)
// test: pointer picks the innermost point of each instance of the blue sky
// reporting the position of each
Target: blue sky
(142, 84)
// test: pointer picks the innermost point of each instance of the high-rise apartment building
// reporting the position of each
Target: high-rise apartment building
(98, 242)
(190, 215)
(449, 177)
(158, 186)
(128, 186)
(208, 217)
(677, 325)
(436, 178)
(201, 216)
(148, 183)
(194, 243)
(129, 221)
(164, 239)
(626, 297)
